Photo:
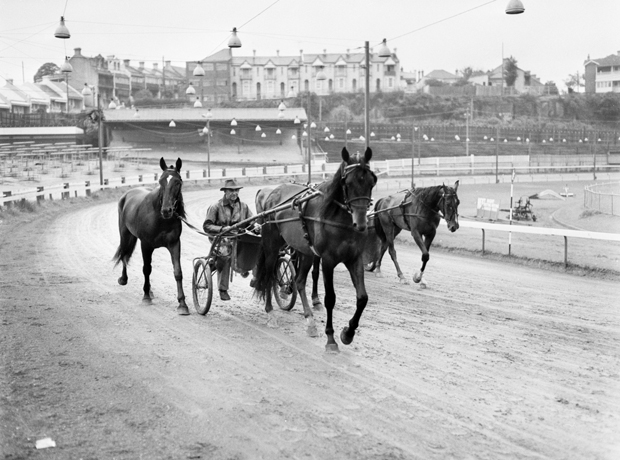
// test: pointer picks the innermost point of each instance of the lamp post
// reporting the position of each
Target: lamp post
(309, 149)
(67, 68)
(207, 131)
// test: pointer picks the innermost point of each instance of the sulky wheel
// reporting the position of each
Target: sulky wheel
(202, 286)
(284, 290)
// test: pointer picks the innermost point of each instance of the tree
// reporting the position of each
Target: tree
(49, 68)
(574, 81)
(510, 71)
(551, 88)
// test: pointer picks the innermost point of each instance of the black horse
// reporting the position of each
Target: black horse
(153, 217)
(330, 225)
(418, 211)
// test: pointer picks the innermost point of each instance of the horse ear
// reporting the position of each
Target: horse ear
(345, 154)
(367, 154)
(162, 164)
(456, 186)
(178, 165)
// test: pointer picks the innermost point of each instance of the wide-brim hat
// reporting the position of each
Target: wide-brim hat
(230, 184)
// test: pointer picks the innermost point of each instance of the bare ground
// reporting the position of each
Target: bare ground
(494, 360)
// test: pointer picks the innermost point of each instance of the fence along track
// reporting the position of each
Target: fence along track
(603, 197)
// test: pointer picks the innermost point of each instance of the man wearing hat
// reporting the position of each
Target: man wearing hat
(220, 217)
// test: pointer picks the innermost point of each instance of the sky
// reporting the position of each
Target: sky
(552, 39)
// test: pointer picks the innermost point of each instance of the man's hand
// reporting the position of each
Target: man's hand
(226, 229)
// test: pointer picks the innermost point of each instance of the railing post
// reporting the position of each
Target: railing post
(565, 251)
(482, 241)
(87, 188)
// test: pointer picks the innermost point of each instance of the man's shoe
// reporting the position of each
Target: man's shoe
(224, 295)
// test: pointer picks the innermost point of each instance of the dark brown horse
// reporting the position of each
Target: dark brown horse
(418, 211)
(152, 216)
(259, 201)
(329, 223)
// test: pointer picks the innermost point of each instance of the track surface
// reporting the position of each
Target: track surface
(491, 361)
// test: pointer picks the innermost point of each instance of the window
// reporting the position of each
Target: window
(221, 67)
(208, 67)
(245, 91)
(390, 68)
(341, 83)
(390, 82)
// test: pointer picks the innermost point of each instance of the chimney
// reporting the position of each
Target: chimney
(278, 53)
(155, 65)
(348, 52)
(141, 65)
(77, 51)
(395, 50)
(324, 52)
(167, 63)
(126, 62)
(254, 58)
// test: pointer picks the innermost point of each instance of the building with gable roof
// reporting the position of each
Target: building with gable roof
(603, 75)
(229, 77)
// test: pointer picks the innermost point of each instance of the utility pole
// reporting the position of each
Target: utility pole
(367, 96)
(100, 137)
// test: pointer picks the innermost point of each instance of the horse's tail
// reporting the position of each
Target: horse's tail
(128, 241)
(264, 275)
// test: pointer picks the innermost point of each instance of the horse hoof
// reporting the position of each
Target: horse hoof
(147, 300)
(346, 337)
(417, 277)
(183, 310)
(272, 321)
(403, 280)
(332, 348)
(423, 284)
(122, 281)
(312, 331)
(316, 304)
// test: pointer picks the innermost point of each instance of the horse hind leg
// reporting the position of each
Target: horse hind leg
(305, 264)
(316, 268)
(124, 252)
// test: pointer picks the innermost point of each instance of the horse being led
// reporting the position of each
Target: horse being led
(152, 216)
(419, 211)
(330, 224)
(259, 201)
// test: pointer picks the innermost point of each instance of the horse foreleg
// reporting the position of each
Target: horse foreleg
(175, 254)
(356, 270)
(330, 301)
(316, 267)
(424, 244)
(147, 257)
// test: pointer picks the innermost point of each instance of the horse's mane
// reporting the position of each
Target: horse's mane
(424, 197)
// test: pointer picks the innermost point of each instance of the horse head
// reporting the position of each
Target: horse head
(357, 181)
(170, 185)
(450, 206)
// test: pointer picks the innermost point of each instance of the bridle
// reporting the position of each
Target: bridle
(348, 202)
(175, 175)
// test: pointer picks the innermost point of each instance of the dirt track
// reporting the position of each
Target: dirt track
(491, 361)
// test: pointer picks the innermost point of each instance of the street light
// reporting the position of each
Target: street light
(234, 41)
(61, 30)
(515, 7)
